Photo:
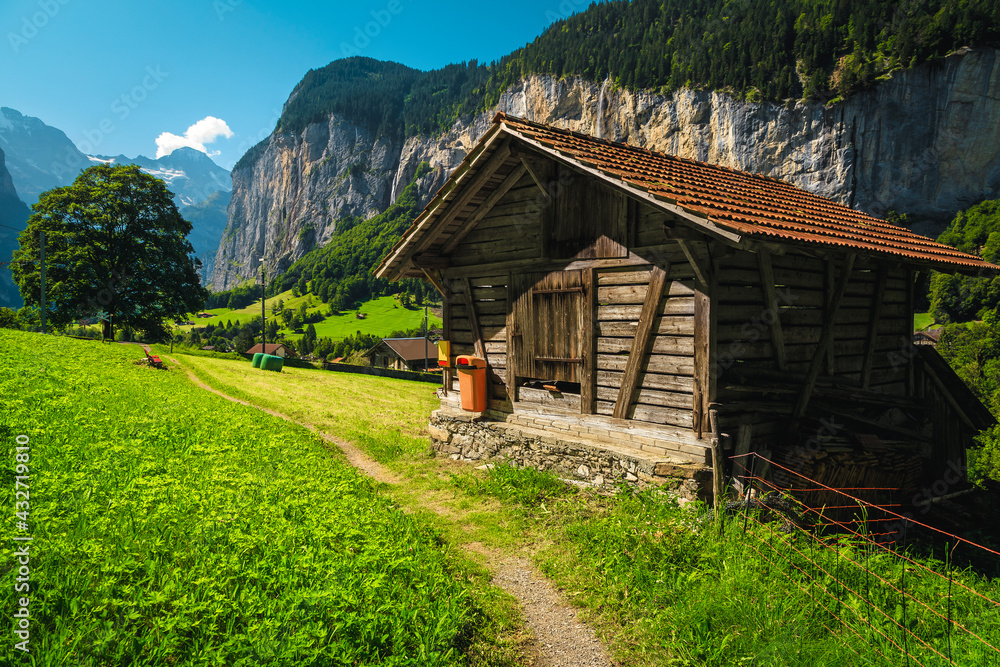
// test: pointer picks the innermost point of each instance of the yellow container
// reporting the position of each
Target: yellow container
(444, 353)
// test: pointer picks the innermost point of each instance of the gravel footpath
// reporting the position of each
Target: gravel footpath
(562, 639)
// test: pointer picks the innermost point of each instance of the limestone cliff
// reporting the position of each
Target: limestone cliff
(925, 142)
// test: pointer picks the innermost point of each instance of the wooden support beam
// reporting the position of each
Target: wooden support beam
(470, 190)
(711, 363)
(825, 340)
(510, 367)
(705, 379)
(944, 392)
(718, 488)
(771, 302)
(425, 261)
(477, 332)
(434, 276)
(642, 342)
(485, 208)
(872, 337)
(588, 383)
(446, 326)
(536, 179)
(510, 376)
(741, 467)
(700, 272)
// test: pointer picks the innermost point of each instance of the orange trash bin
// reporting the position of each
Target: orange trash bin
(471, 382)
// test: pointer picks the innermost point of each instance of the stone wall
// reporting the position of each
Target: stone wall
(466, 437)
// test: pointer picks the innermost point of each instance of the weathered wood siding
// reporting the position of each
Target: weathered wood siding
(489, 298)
(511, 230)
(667, 373)
(577, 325)
(803, 287)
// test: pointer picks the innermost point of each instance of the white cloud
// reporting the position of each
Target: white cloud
(205, 131)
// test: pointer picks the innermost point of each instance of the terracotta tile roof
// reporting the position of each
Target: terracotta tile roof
(738, 203)
(270, 349)
(741, 202)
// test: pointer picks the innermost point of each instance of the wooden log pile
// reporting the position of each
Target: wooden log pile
(881, 472)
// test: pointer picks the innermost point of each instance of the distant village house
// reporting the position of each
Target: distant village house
(404, 354)
(276, 349)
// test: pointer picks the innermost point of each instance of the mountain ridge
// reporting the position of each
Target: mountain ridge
(42, 157)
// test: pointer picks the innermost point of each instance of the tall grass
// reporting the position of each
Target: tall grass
(753, 590)
(172, 527)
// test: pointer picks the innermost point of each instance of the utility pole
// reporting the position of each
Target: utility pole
(263, 328)
(425, 339)
(41, 258)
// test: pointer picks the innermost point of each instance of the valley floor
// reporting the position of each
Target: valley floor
(156, 497)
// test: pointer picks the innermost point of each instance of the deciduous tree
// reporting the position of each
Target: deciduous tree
(116, 245)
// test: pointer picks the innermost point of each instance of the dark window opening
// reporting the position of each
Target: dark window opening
(555, 386)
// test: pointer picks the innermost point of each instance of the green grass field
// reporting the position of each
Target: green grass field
(382, 316)
(173, 527)
(922, 320)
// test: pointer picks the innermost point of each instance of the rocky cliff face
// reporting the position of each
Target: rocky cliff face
(926, 143)
(289, 199)
(13, 215)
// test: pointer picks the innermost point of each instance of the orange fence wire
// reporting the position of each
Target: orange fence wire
(764, 500)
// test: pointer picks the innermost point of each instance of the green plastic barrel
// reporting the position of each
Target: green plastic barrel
(256, 359)
(272, 362)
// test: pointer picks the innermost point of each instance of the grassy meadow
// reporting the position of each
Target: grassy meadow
(922, 320)
(663, 585)
(173, 527)
(383, 315)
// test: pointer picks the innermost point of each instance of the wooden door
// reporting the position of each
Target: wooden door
(550, 326)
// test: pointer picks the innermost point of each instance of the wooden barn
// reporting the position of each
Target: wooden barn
(637, 310)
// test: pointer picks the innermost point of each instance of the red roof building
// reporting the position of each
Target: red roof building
(276, 349)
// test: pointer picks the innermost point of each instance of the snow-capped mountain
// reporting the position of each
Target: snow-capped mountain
(191, 175)
(41, 157)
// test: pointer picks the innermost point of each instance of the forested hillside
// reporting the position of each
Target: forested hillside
(967, 305)
(340, 272)
(760, 49)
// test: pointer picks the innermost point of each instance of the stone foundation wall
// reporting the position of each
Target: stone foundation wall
(467, 438)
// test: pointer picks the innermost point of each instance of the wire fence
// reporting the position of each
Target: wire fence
(890, 587)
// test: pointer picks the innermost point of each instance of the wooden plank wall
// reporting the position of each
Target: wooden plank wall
(511, 230)
(489, 298)
(666, 387)
(803, 286)
(667, 384)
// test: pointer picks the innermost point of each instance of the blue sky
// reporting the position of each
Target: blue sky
(115, 75)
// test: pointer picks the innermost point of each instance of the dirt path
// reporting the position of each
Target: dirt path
(561, 640)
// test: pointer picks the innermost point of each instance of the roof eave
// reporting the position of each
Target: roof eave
(397, 263)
